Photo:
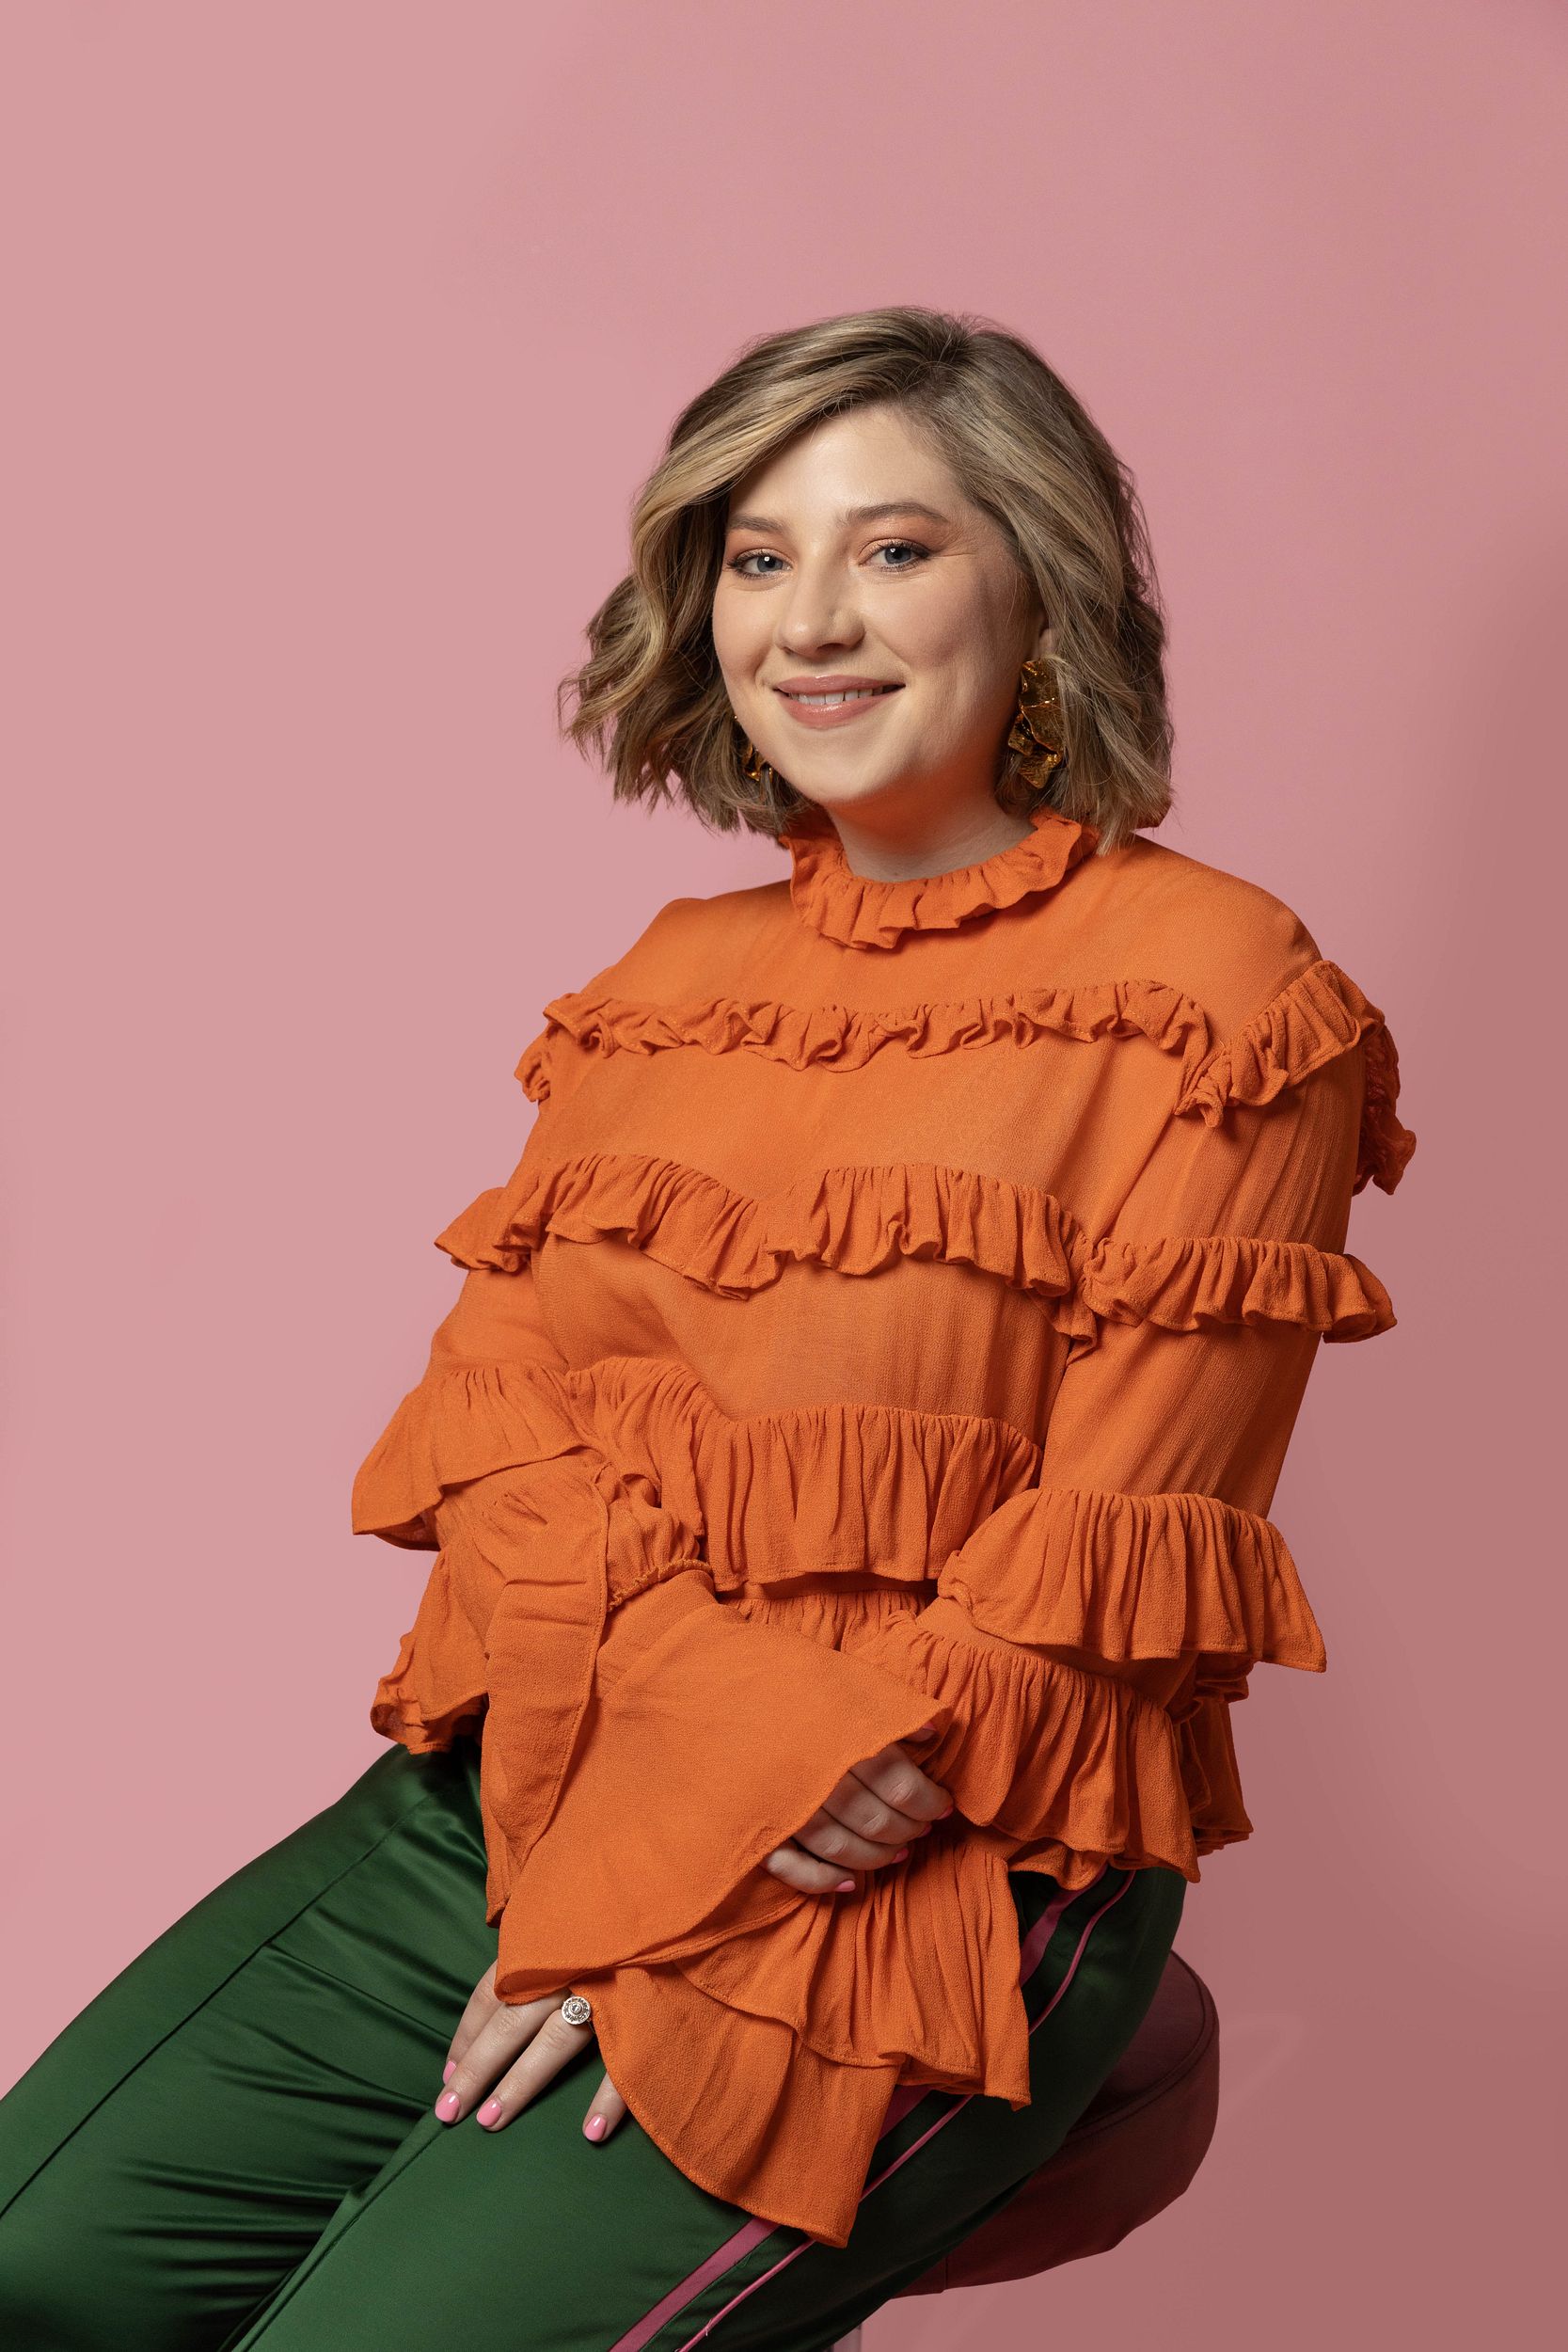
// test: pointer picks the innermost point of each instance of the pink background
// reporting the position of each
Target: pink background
(342, 335)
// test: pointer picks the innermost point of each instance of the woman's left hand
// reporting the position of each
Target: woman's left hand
(511, 2049)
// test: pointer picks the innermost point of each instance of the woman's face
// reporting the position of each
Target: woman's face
(852, 554)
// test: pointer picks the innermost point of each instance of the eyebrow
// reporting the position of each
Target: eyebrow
(847, 515)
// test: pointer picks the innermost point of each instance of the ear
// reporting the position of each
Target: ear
(1045, 645)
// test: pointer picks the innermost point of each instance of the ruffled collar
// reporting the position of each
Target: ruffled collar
(860, 912)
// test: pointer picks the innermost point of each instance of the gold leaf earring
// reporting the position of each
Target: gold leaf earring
(757, 771)
(1036, 729)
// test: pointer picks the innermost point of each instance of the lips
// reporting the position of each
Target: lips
(830, 690)
(827, 704)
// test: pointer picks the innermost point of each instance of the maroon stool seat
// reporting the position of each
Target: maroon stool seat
(1132, 2153)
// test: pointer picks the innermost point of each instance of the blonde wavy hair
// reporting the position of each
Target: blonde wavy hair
(651, 697)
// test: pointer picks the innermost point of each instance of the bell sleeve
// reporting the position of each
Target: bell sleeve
(570, 1617)
(1093, 1632)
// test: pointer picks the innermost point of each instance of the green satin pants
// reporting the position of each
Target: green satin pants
(232, 2145)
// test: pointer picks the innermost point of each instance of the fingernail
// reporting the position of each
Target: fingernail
(902, 1856)
(945, 1810)
(446, 2105)
(594, 2128)
(845, 1886)
(490, 2112)
(448, 2069)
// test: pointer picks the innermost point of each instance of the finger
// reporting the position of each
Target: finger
(509, 2027)
(480, 2003)
(861, 1819)
(605, 2110)
(797, 1868)
(827, 1840)
(832, 1840)
(902, 1779)
(869, 1813)
(554, 2045)
(897, 1780)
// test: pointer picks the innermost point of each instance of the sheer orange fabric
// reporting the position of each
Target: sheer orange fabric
(899, 1313)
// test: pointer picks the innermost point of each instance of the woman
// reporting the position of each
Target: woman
(846, 1463)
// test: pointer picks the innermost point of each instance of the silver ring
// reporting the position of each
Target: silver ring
(576, 2010)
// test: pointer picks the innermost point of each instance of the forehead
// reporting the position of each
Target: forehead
(875, 454)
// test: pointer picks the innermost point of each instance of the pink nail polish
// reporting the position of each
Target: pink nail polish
(490, 2113)
(446, 2105)
(902, 1856)
(595, 2129)
(845, 1886)
(448, 2069)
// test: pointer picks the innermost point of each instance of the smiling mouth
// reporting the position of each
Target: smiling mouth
(829, 702)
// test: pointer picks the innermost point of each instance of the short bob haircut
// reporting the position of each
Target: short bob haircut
(651, 697)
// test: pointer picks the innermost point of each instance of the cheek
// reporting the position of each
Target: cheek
(966, 694)
(740, 635)
(959, 647)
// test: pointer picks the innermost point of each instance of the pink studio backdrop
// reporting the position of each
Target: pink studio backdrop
(340, 335)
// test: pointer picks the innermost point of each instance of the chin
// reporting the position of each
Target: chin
(836, 792)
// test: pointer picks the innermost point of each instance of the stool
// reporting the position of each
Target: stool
(1133, 2152)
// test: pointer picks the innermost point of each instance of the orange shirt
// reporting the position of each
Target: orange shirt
(899, 1313)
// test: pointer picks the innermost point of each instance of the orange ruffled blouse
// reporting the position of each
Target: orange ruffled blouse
(899, 1313)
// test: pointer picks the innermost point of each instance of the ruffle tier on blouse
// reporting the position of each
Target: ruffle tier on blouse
(857, 1219)
(1317, 1016)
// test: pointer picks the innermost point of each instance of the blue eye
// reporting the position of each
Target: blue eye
(754, 555)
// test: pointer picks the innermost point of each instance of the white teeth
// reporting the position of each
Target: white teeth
(829, 702)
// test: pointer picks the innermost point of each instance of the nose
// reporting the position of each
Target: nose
(819, 610)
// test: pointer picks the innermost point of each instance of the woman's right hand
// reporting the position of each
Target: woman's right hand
(872, 1815)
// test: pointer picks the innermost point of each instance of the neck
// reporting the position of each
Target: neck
(903, 845)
